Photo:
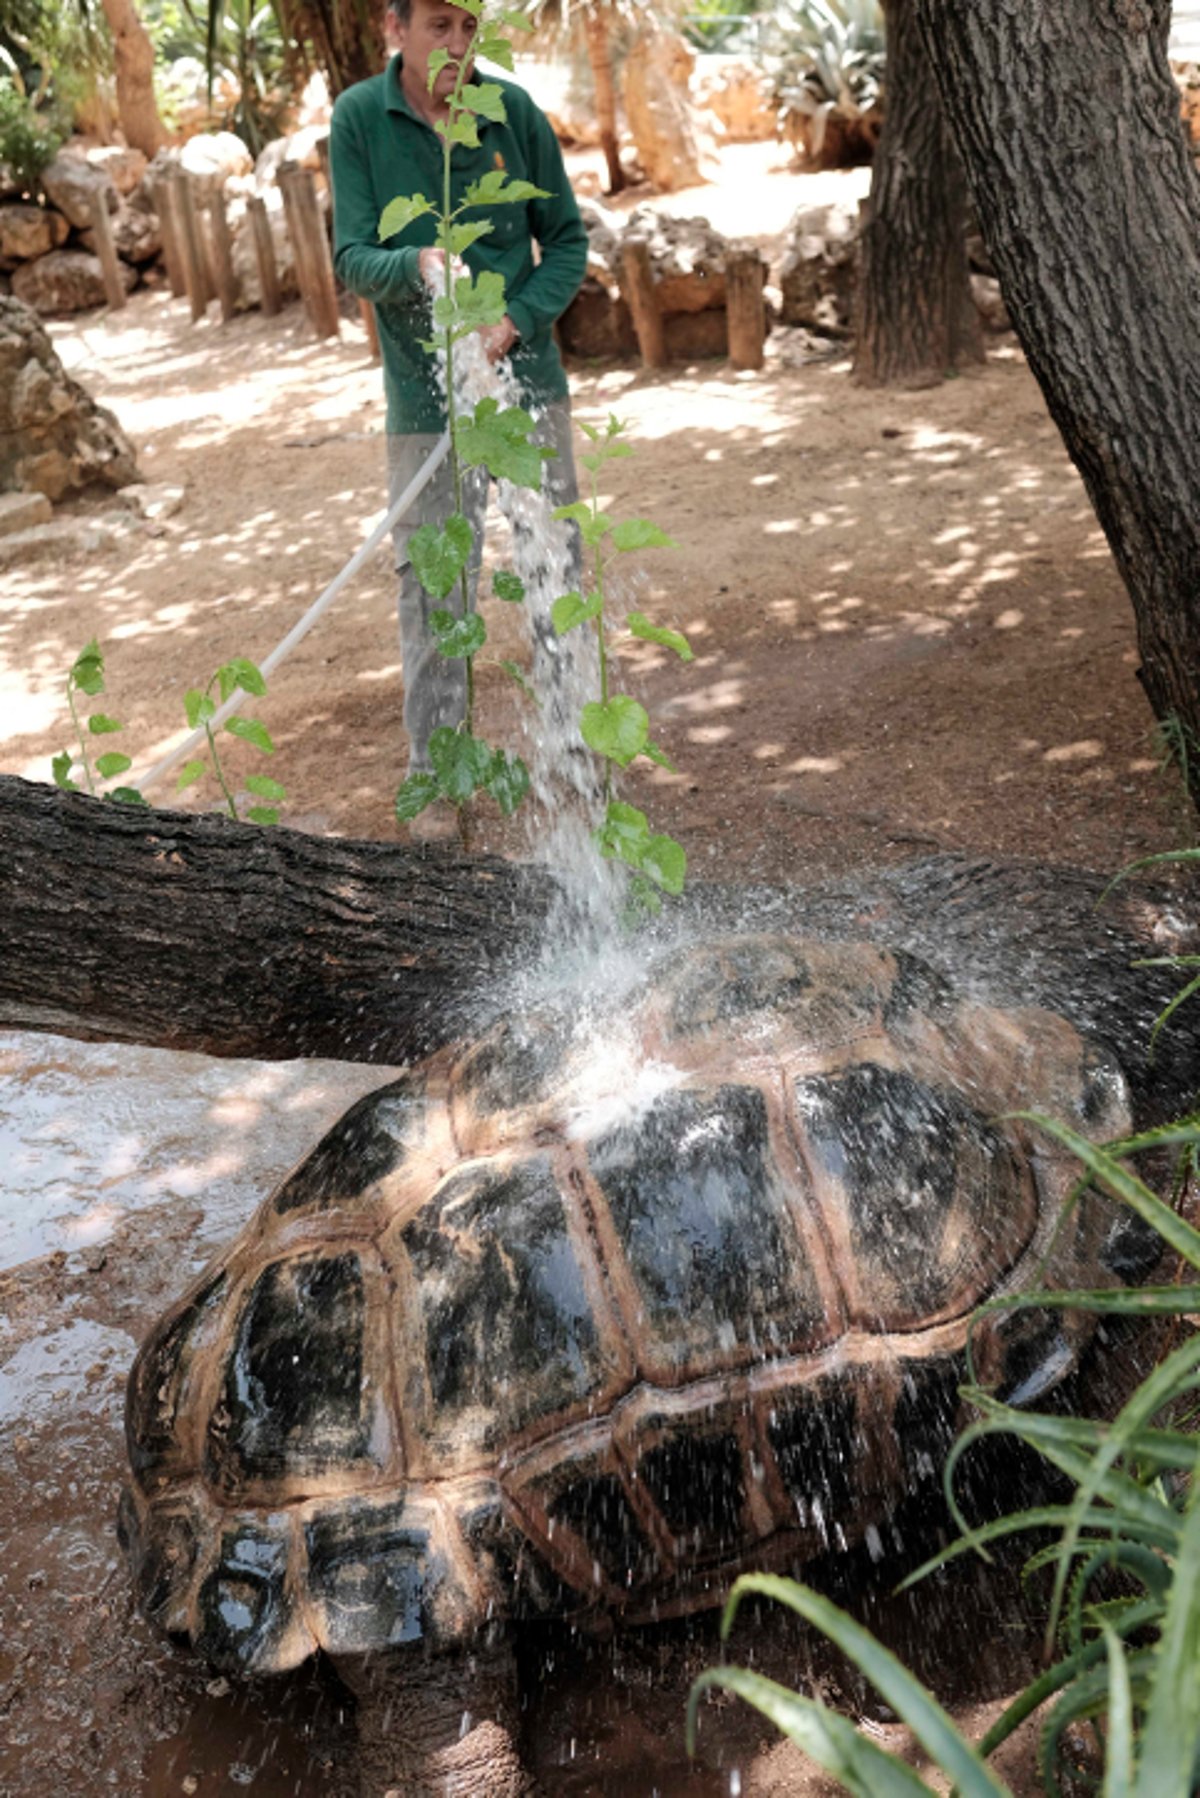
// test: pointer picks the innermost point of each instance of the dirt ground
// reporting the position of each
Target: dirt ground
(909, 636)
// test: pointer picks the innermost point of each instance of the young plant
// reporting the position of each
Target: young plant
(200, 706)
(86, 676)
(492, 437)
(614, 725)
(1125, 1611)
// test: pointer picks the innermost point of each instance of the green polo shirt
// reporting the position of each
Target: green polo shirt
(379, 148)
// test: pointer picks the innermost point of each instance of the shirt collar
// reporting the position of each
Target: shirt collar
(395, 99)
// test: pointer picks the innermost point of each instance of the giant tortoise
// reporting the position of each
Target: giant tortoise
(584, 1315)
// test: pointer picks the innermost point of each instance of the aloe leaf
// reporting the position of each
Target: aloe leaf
(895, 1684)
(1172, 1727)
(831, 1741)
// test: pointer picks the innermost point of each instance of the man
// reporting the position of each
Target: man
(383, 145)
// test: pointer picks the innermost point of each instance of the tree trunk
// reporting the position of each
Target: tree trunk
(597, 25)
(1067, 119)
(916, 318)
(126, 925)
(133, 55)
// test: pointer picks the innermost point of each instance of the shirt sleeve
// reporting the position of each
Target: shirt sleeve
(560, 234)
(364, 265)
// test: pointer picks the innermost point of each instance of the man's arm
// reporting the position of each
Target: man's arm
(362, 263)
(559, 231)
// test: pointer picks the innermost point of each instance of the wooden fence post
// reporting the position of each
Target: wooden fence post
(314, 266)
(163, 195)
(194, 264)
(222, 244)
(745, 308)
(264, 253)
(643, 301)
(371, 327)
(106, 250)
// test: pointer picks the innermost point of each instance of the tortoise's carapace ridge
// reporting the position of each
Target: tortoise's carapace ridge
(520, 1340)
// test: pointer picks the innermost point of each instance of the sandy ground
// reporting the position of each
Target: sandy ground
(909, 636)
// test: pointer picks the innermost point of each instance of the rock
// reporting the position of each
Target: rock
(69, 183)
(53, 436)
(598, 323)
(21, 511)
(124, 167)
(28, 231)
(654, 84)
(688, 259)
(65, 281)
(136, 235)
(989, 301)
(301, 147)
(58, 541)
(737, 94)
(153, 500)
(213, 156)
(820, 267)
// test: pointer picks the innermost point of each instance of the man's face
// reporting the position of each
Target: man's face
(435, 25)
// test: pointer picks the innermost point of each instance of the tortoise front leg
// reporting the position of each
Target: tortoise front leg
(440, 1726)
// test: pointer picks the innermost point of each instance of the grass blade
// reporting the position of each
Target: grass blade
(1172, 1728)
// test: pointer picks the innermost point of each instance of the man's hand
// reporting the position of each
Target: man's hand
(498, 339)
(431, 266)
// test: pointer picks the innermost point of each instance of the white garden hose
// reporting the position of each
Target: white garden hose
(269, 663)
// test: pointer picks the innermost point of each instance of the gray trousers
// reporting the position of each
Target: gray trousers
(435, 686)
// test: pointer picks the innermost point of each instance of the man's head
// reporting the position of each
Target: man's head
(423, 26)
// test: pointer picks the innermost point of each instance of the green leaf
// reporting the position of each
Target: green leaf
(655, 753)
(436, 63)
(461, 762)
(398, 214)
(262, 814)
(264, 787)
(517, 673)
(455, 636)
(418, 791)
(477, 300)
(617, 729)
(499, 441)
(641, 627)
(101, 725)
(664, 860)
(830, 1740)
(251, 731)
(60, 768)
(624, 833)
(495, 189)
(128, 796)
(486, 100)
(495, 49)
(592, 525)
(508, 782)
(189, 774)
(439, 557)
(87, 671)
(516, 21)
(608, 452)
(112, 763)
(459, 130)
(570, 609)
(457, 238)
(198, 707)
(240, 673)
(508, 586)
(639, 533)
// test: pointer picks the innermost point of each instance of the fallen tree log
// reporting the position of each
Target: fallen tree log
(192, 932)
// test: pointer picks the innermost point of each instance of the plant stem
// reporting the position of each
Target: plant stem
(83, 754)
(217, 768)
(601, 644)
(455, 469)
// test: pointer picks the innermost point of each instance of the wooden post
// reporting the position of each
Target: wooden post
(264, 253)
(371, 327)
(106, 250)
(314, 265)
(163, 195)
(222, 243)
(194, 266)
(745, 308)
(642, 300)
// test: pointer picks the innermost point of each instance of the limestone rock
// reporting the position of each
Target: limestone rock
(737, 94)
(213, 156)
(60, 540)
(136, 235)
(301, 147)
(28, 231)
(654, 84)
(65, 281)
(819, 270)
(53, 436)
(153, 500)
(688, 259)
(22, 511)
(124, 167)
(69, 183)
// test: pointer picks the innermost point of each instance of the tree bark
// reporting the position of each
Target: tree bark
(1067, 119)
(916, 318)
(126, 925)
(597, 27)
(133, 55)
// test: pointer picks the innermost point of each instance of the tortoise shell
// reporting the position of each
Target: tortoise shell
(594, 1311)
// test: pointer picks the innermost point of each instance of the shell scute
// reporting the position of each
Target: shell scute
(379, 1577)
(243, 1611)
(160, 1390)
(518, 1579)
(368, 1142)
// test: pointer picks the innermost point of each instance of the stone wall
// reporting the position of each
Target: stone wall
(54, 438)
